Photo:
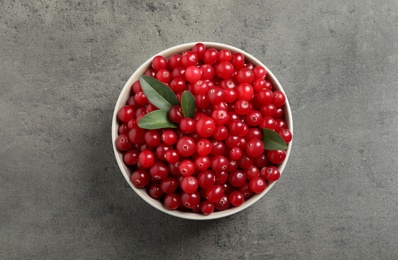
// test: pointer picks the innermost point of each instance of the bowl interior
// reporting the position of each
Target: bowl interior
(123, 97)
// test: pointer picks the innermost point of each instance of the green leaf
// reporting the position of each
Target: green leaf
(158, 93)
(188, 104)
(272, 140)
(155, 120)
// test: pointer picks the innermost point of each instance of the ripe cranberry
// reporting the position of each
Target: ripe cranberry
(210, 56)
(261, 161)
(218, 148)
(259, 85)
(159, 171)
(178, 72)
(252, 172)
(131, 157)
(174, 61)
(137, 135)
(178, 85)
(236, 198)
(186, 146)
(259, 72)
(221, 133)
(235, 153)
(257, 184)
(163, 75)
(205, 126)
(255, 147)
(204, 147)
(172, 201)
(238, 60)
(202, 163)
(161, 150)
(214, 193)
(230, 95)
(189, 58)
(200, 50)
(193, 74)
(245, 75)
(146, 158)
(190, 200)
(175, 114)
(169, 137)
(254, 133)
(268, 110)
(152, 138)
(171, 156)
(155, 191)
(159, 62)
(237, 178)
(247, 192)
(220, 116)
(245, 162)
(223, 203)
(123, 129)
(140, 178)
(276, 156)
(123, 143)
(202, 101)
(168, 185)
(219, 163)
(243, 107)
(280, 124)
(270, 173)
(279, 113)
(206, 179)
(186, 168)
(215, 95)
(125, 113)
(136, 87)
(207, 207)
(279, 98)
(253, 118)
(224, 55)
(189, 184)
(268, 122)
(150, 72)
(225, 70)
(200, 87)
(286, 135)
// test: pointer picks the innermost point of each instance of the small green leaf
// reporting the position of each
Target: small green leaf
(272, 140)
(155, 120)
(158, 93)
(188, 104)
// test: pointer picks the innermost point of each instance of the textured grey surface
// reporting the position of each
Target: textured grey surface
(63, 64)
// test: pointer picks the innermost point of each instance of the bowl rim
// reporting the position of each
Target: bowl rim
(124, 95)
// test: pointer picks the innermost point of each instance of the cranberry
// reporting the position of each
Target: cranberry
(270, 173)
(276, 156)
(159, 171)
(236, 198)
(206, 179)
(172, 201)
(159, 62)
(207, 207)
(257, 184)
(146, 158)
(190, 200)
(193, 74)
(168, 185)
(139, 178)
(237, 178)
(123, 143)
(126, 113)
(186, 146)
(186, 168)
(205, 126)
(189, 184)
(214, 193)
(155, 191)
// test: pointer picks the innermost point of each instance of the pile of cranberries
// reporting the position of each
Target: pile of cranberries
(217, 159)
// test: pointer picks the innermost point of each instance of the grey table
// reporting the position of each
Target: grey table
(63, 64)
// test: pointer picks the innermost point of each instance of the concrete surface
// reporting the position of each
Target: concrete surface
(63, 64)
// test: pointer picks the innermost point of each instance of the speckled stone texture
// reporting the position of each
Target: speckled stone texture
(63, 63)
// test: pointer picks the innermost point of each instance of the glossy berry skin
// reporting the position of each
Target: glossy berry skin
(236, 198)
(200, 49)
(220, 116)
(203, 147)
(159, 171)
(286, 135)
(171, 156)
(152, 138)
(210, 56)
(238, 60)
(190, 200)
(172, 201)
(245, 75)
(221, 133)
(206, 179)
(255, 147)
(219, 163)
(257, 184)
(174, 61)
(207, 207)
(146, 159)
(123, 143)
(214, 193)
(159, 62)
(137, 135)
(163, 75)
(130, 157)
(175, 114)
(187, 125)
(259, 72)
(186, 146)
(276, 156)
(155, 191)
(205, 126)
(247, 192)
(186, 168)
(189, 184)
(140, 178)
(252, 172)
(168, 185)
(279, 99)
(193, 74)
(202, 163)
(223, 203)
(169, 137)
(125, 114)
(237, 178)
(225, 70)
(270, 173)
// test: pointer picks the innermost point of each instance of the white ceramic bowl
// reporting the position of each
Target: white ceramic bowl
(124, 95)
